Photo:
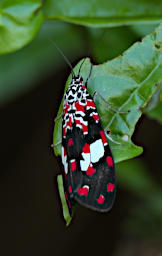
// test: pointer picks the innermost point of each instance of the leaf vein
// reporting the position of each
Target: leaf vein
(132, 94)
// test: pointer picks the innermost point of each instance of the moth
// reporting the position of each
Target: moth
(89, 170)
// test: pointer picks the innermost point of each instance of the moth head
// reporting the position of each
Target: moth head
(77, 80)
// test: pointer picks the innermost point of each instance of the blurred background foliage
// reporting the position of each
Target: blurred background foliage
(32, 78)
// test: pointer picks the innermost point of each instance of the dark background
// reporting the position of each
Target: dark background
(31, 220)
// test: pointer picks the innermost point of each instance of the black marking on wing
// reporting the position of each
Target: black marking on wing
(103, 175)
(68, 196)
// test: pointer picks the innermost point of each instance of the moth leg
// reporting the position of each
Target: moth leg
(109, 106)
(56, 144)
(58, 117)
(114, 141)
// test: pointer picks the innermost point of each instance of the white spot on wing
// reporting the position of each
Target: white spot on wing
(96, 150)
(66, 166)
(62, 155)
(86, 162)
(64, 161)
(80, 113)
(86, 186)
(79, 125)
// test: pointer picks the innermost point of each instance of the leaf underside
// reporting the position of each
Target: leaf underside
(63, 200)
(103, 13)
(127, 83)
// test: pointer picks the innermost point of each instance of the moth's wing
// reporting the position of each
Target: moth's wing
(67, 179)
(74, 143)
(91, 166)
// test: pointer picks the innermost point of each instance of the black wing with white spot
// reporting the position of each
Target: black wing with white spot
(88, 163)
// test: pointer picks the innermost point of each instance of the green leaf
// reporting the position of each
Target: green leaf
(66, 213)
(20, 71)
(19, 23)
(127, 83)
(103, 13)
(154, 108)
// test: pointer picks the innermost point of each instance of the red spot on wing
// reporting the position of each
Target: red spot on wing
(83, 191)
(96, 117)
(66, 196)
(73, 165)
(65, 176)
(109, 161)
(70, 189)
(64, 131)
(66, 108)
(77, 121)
(79, 107)
(101, 199)
(65, 152)
(69, 123)
(85, 128)
(110, 187)
(70, 142)
(90, 103)
(90, 171)
(86, 148)
(103, 137)
(83, 87)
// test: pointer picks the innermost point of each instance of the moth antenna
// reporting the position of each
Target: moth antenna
(90, 51)
(81, 66)
(65, 58)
